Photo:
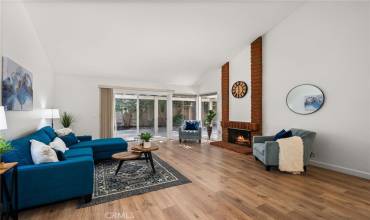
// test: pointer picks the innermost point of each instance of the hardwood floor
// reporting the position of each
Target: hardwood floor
(228, 185)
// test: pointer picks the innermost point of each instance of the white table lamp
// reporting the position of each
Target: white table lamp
(52, 114)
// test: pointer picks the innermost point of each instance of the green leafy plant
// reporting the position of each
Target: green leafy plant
(66, 120)
(5, 146)
(177, 119)
(146, 136)
(209, 118)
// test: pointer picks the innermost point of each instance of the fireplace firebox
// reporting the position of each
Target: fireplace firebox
(239, 136)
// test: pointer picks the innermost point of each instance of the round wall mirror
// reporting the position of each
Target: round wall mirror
(305, 99)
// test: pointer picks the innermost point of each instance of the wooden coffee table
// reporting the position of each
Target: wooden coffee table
(136, 153)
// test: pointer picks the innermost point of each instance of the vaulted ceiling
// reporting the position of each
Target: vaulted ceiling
(162, 42)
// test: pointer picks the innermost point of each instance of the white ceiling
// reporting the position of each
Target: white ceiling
(172, 43)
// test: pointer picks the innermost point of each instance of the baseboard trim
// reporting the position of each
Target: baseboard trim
(341, 169)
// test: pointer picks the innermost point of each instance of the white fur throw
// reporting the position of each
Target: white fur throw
(291, 154)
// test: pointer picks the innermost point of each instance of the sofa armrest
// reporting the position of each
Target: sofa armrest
(51, 182)
(272, 152)
(84, 138)
(262, 139)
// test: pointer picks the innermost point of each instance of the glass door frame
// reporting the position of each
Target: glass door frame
(218, 109)
(151, 95)
(169, 96)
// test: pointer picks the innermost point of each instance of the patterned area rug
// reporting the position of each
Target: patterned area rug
(135, 177)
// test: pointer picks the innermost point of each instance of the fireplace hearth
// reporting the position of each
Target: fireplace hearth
(240, 137)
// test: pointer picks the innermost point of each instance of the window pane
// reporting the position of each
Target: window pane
(209, 102)
(146, 115)
(126, 117)
(178, 116)
(162, 118)
(183, 110)
(205, 109)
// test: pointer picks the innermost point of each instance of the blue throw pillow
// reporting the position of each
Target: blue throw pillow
(283, 134)
(191, 125)
(41, 136)
(22, 148)
(60, 154)
(50, 132)
(279, 134)
(288, 134)
(21, 152)
(70, 139)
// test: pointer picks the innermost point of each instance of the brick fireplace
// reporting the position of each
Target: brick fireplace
(254, 127)
(241, 137)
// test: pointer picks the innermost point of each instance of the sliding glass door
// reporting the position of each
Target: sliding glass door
(162, 116)
(209, 102)
(136, 114)
(183, 108)
(126, 115)
(146, 114)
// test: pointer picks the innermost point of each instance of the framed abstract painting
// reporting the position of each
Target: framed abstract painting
(17, 90)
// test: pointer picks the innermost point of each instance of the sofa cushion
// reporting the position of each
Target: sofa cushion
(283, 134)
(42, 153)
(101, 145)
(69, 139)
(22, 148)
(41, 136)
(63, 131)
(279, 134)
(191, 125)
(60, 154)
(58, 144)
(78, 152)
(21, 152)
(260, 148)
(50, 132)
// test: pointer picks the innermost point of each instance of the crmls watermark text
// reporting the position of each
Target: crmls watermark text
(118, 215)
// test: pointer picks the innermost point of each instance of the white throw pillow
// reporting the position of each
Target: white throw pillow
(42, 153)
(63, 131)
(58, 144)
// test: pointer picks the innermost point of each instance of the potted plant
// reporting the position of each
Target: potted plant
(208, 122)
(66, 120)
(4, 147)
(145, 137)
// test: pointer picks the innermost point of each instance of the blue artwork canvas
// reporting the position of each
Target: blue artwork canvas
(313, 102)
(17, 92)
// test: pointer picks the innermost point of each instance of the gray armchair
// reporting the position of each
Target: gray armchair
(267, 151)
(190, 134)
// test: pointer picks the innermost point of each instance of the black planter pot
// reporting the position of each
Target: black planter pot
(209, 131)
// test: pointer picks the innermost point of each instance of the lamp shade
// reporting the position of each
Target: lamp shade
(3, 124)
(51, 113)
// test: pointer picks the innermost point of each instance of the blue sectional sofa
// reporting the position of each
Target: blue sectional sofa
(51, 182)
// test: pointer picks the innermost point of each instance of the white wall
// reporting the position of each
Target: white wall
(240, 70)
(240, 109)
(210, 82)
(20, 43)
(326, 44)
(79, 96)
